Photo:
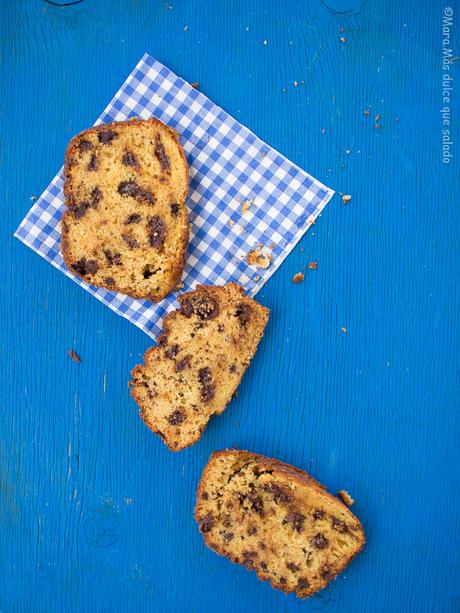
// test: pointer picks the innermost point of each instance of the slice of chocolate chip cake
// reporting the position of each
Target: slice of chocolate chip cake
(275, 519)
(126, 223)
(203, 352)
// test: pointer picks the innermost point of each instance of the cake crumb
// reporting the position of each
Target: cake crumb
(342, 39)
(377, 126)
(74, 356)
(257, 258)
(265, 42)
(295, 84)
(313, 265)
(343, 329)
(180, 285)
(345, 496)
(271, 246)
(195, 85)
(366, 112)
(298, 278)
(245, 206)
(346, 198)
(347, 151)
(231, 223)
(377, 117)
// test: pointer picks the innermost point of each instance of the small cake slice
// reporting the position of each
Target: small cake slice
(275, 519)
(203, 352)
(126, 223)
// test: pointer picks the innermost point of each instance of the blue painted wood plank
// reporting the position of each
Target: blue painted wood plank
(95, 513)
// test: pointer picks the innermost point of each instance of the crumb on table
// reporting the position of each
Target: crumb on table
(343, 329)
(345, 496)
(74, 356)
(256, 257)
(313, 265)
(245, 206)
(298, 278)
(346, 198)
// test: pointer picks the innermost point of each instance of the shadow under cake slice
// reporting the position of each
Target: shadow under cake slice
(203, 353)
(126, 223)
(277, 520)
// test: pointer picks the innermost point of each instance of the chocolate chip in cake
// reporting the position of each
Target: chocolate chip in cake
(172, 351)
(183, 364)
(85, 145)
(263, 565)
(175, 208)
(319, 541)
(207, 387)
(248, 558)
(228, 536)
(92, 165)
(129, 188)
(280, 494)
(296, 519)
(204, 306)
(204, 495)
(326, 572)
(133, 218)
(257, 504)
(129, 159)
(176, 418)
(109, 280)
(302, 584)
(161, 154)
(318, 514)
(106, 136)
(156, 231)
(130, 241)
(339, 525)
(251, 530)
(85, 267)
(293, 567)
(243, 312)
(232, 368)
(112, 258)
(96, 196)
(207, 522)
(80, 210)
(283, 580)
(227, 520)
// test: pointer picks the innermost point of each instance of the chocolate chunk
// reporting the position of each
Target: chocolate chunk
(176, 418)
(161, 155)
(319, 541)
(220, 327)
(112, 258)
(109, 280)
(292, 566)
(283, 580)
(130, 241)
(243, 312)
(302, 584)
(257, 504)
(129, 159)
(92, 165)
(318, 514)
(232, 368)
(182, 364)
(296, 519)
(132, 189)
(204, 495)
(263, 565)
(251, 530)
(172, 351)
(175, 207)
(85, 267)
(156, 231)
(207, 387)
(248, 558)
(133, 218)
(326, 573)
(228, 536)
(279, 493)
(106, 136)
(204, 306)
(339, 525)
(80, 210)
(261, 545)
(85, 145)
(227, 520)
(207, 522)
(96, 196)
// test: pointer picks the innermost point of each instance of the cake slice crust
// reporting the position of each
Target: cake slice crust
(275, 519)
(125, 227)
(203, 353)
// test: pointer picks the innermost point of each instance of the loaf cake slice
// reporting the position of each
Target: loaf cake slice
(126, 224)
(276, 520)
(203, 352)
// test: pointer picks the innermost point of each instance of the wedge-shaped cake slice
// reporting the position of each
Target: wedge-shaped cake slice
(203, 352)
(276, 520)
(126, 224)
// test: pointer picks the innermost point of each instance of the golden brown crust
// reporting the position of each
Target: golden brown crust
(178, 264)
(291, 475)
(152, 410)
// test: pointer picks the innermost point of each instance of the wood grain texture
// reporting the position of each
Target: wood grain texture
(95, 513)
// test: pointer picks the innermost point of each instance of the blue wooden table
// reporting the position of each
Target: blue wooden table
(356, 380)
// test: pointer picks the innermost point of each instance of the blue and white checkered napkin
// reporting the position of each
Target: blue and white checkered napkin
(243, 194)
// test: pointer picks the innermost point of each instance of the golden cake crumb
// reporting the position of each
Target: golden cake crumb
(245, 206)
(345, 496)
(346, 198)
(257, 258)
(298, 278)
(313, 265)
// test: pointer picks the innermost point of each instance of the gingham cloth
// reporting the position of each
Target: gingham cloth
(229, 166)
